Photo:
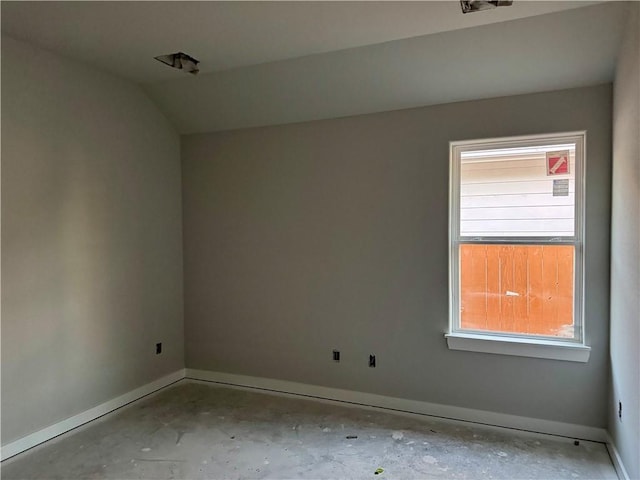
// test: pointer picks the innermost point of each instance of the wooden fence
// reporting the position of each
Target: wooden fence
(524, 289)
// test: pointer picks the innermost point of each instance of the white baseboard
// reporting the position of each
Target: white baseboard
(616, 459)
(400, 405)
(59, 428)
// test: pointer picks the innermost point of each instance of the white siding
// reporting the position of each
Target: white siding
(511, 195)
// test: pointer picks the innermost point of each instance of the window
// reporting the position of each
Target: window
(516, 246)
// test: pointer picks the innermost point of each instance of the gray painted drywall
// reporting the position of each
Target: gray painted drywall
(91, 239)
(333, 234)
(625, 251)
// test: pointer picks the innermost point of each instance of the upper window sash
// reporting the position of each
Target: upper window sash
(519, 240)
(556, 139)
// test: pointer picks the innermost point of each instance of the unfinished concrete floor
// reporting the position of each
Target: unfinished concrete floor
(198, 431)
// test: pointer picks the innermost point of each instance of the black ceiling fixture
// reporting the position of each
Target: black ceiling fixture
(181, 61)
(470, 6)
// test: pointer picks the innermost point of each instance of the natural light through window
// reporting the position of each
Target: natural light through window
(516, 217)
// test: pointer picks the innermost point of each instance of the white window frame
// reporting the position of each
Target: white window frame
(571, 349)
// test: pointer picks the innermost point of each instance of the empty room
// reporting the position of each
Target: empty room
(320, 240)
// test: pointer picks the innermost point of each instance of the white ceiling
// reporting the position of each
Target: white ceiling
(278, 62)
(123, 37)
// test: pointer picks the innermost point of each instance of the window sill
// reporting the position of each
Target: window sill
(521, 347)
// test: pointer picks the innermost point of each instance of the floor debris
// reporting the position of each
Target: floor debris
(378, 471)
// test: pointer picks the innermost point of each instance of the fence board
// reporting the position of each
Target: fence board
(524, 289)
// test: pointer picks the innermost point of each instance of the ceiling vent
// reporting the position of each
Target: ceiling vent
(181, 61)
(470, 6)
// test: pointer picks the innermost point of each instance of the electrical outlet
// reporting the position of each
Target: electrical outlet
(620, 410)
(336, 355)
(158, 348)
(372, 361)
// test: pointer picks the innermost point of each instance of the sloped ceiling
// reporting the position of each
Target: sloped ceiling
(267, 63)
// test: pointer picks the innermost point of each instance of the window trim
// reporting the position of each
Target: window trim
(573, 349)
(518, 346)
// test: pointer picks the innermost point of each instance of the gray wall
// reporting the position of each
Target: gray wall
(91, 240)
(625, 251)
(333, 234)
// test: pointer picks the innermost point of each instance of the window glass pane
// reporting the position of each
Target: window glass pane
(511, 192)
(521, 289)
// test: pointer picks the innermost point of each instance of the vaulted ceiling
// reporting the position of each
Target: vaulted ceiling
(266, 63)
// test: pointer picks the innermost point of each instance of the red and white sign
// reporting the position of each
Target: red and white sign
(558, 163)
